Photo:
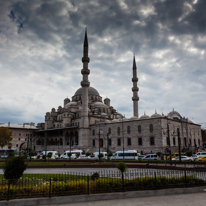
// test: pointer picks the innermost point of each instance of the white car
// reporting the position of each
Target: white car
(183, 158)
(84, 157)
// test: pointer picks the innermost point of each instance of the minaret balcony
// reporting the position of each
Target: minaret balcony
(135, 98)
(85, 83)
(85, 59)
(85, 71)
(134, 79)
(135, 89)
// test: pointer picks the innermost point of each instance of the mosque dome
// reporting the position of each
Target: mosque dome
(174, 115)
(144, 116)
(91, 91)
(155, 115)
(115, 120)
(134, 118)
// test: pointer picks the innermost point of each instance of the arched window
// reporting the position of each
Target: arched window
(93, 132)
(151, 127)
(128, 129)
(76, 138)
(109, 131)
(118, 131)
(139, 128)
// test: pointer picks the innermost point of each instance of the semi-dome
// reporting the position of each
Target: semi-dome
(100, 105)
(174, 115)
(70, 104)
(144, 116)
(91, 91)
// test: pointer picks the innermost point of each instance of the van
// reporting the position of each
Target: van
(95, 155)
(199, 155)
(127, 155)
(54, 154)
(150, 157)
(73, 152)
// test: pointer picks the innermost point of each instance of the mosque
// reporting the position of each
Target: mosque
(88, 122)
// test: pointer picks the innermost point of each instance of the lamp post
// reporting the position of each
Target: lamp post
(168, 132)
(123, 137)
(99, 143)
(108, 146)
(178, 134)
(45, 145)
(31, 146)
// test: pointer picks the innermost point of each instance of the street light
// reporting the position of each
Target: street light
(108, 136)
(123, 137)
(168, 132)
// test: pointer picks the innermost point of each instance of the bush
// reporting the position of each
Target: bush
(100, 155)
(11, 154)
(95, 176)
(159, 154)
(14, 167)
(189, 153)
(121, 167)
(49, 155)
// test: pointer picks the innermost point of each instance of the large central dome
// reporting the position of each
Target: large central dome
(91, 91)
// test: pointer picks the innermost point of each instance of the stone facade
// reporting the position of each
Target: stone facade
(86, 122)
(20, 135)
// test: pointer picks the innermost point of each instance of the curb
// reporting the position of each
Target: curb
(103, 196)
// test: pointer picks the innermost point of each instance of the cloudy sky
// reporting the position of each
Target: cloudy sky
(41, 49)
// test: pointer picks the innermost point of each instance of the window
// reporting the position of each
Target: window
(129, 141)
(152, 141)
(118, 131)
(119, 142)
(19, 134)
(140, 141)
(93, 132)
(19, 138)
(151, 127)
(93, 142)
(128, 129)
(190, 142)
(109, 131)
(195, 143)
(16, 145)
(198, 142)
(174, 141)
(139, 129)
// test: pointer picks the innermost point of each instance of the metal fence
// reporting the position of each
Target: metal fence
(39, 185)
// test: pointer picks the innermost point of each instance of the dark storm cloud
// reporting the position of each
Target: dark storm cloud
(42, 40)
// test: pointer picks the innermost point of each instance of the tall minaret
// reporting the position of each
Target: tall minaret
(84, 122)
(135, 89)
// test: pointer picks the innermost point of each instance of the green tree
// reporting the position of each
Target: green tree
(5, 137)
(14, 167)
(122, 168)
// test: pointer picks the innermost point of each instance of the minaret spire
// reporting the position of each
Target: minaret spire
(135, 89)
(84, 121)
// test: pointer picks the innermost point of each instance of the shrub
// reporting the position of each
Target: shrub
(189, 153)
(14, 167)
(95, 176)
(87, 154)
(11, 154)
(100, 155)
(49, 155)
(159, 154)
(69, 154)
(121, 167)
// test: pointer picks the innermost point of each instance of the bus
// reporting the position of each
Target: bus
(4, 153)
(127, 155)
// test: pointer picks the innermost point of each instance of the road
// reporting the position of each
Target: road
(195, 199)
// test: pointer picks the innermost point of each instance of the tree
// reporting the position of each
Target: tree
(5, 136)
(122, 168)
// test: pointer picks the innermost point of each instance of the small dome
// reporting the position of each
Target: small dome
(144, 116)
(103, 114)
(70, 104)
(115, 120)
(174, 115)
(100, 105)
(133, 118)
(91, 91)
(155, 115)
(107, 121)
(80, 109)
(125, 119)
(189, 121)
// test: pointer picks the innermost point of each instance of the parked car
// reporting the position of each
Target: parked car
(199, 155)
(140, 157)
(183, 158)
(73, 154)
(84, 157)
(150, 157)
(202, 159)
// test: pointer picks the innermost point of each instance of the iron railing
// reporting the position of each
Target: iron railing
(40, 185)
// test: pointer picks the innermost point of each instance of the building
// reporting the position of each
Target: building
(87, 122)
(22, 135)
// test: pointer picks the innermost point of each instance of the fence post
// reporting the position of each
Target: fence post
(155, 181)
(185, 179)
(88, 184)
(50, 187)
(8, 190)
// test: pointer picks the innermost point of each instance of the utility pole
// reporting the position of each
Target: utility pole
(107, 146)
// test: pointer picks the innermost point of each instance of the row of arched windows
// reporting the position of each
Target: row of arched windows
(139, 128)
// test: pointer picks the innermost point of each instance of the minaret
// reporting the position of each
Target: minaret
(84, 122)
(135, 89)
